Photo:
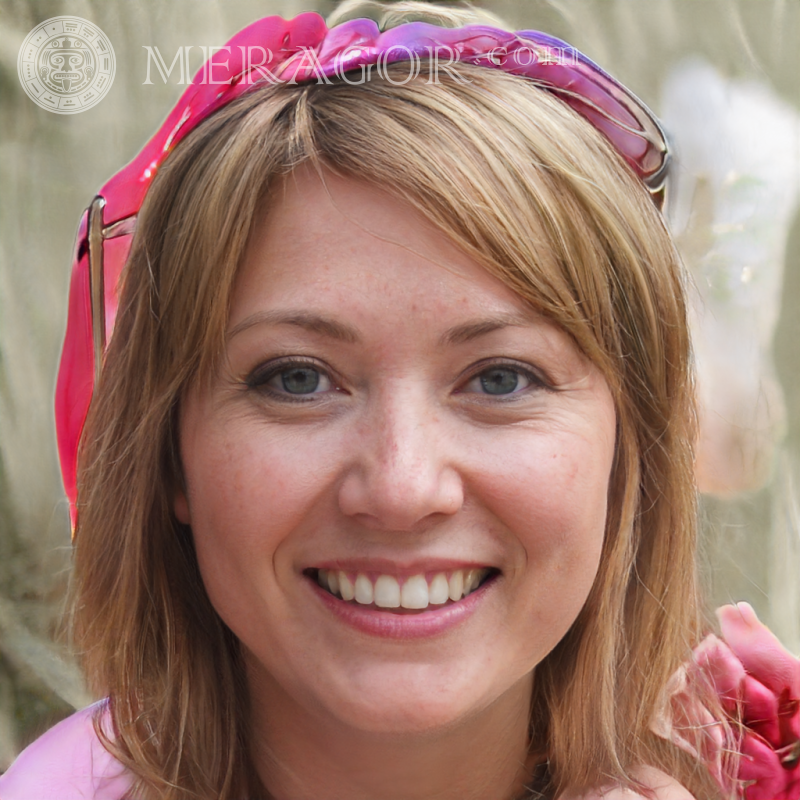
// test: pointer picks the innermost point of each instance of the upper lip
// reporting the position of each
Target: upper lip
(400, 568)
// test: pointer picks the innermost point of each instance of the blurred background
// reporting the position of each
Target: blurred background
(723, 74)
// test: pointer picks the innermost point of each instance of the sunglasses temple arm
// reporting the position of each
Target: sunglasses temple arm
(96, 283)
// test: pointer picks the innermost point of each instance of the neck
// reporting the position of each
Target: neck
(302, 753)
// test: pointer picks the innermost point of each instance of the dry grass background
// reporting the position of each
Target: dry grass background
(51, 165)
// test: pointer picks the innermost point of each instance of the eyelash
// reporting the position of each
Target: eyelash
(259, 379)
(536, 382)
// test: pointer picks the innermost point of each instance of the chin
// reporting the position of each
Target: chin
(410, 701)
(422, 715)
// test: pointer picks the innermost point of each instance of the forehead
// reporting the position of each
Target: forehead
(343, 262)
(325, 238)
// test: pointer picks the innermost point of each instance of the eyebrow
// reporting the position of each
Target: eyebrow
(316, 323)
(302, 319)
(461, 334)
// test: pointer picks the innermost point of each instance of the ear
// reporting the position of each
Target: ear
(180, 506)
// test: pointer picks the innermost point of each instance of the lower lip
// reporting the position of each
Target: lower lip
(423, 625)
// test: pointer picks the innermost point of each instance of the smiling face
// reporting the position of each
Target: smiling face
(391, 421)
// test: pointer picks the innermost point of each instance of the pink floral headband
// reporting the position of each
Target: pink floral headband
(304, 50)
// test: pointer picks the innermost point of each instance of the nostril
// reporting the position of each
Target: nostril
(401, 499)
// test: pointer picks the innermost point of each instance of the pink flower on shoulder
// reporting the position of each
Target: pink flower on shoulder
(769, 699)
(758, 683)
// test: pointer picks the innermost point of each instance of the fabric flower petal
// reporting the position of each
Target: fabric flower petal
(760, 652)
(763, 774)
(760, 710)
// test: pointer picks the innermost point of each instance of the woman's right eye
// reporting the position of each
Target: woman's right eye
(291, 380)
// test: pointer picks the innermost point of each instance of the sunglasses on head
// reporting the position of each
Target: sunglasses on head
(297, 51)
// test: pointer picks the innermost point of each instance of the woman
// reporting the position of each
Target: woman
(386, 486)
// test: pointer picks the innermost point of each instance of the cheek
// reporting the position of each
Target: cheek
(548, 493)
(551, 490)
(247, 494)
(249, 489)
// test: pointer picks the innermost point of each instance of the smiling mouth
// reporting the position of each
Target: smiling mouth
(415, 593)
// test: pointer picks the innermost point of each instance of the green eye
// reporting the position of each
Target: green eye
(290, 379)
(501, 380)
(299, 380)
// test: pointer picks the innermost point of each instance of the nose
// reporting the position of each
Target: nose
(403, 475)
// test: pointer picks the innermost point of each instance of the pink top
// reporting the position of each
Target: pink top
(68, 763)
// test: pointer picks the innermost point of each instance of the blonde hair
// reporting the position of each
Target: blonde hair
(398, 13)
(532, 192)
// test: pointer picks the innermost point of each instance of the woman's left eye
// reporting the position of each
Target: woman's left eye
(502, 380)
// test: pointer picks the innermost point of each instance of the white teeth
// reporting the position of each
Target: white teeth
(346, 588)
(364, 593)
(439, 590)
(471, 580)
(387, 592)
(333, 582)
(415, 592)
(456, 585)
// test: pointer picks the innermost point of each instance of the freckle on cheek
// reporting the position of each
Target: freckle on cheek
(573, 473)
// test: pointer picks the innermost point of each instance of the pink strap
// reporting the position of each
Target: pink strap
(68, 763)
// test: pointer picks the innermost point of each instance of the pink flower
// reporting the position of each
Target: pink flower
(769, 698)
(758, 682)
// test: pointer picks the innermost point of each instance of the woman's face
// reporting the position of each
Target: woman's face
(393, 416)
